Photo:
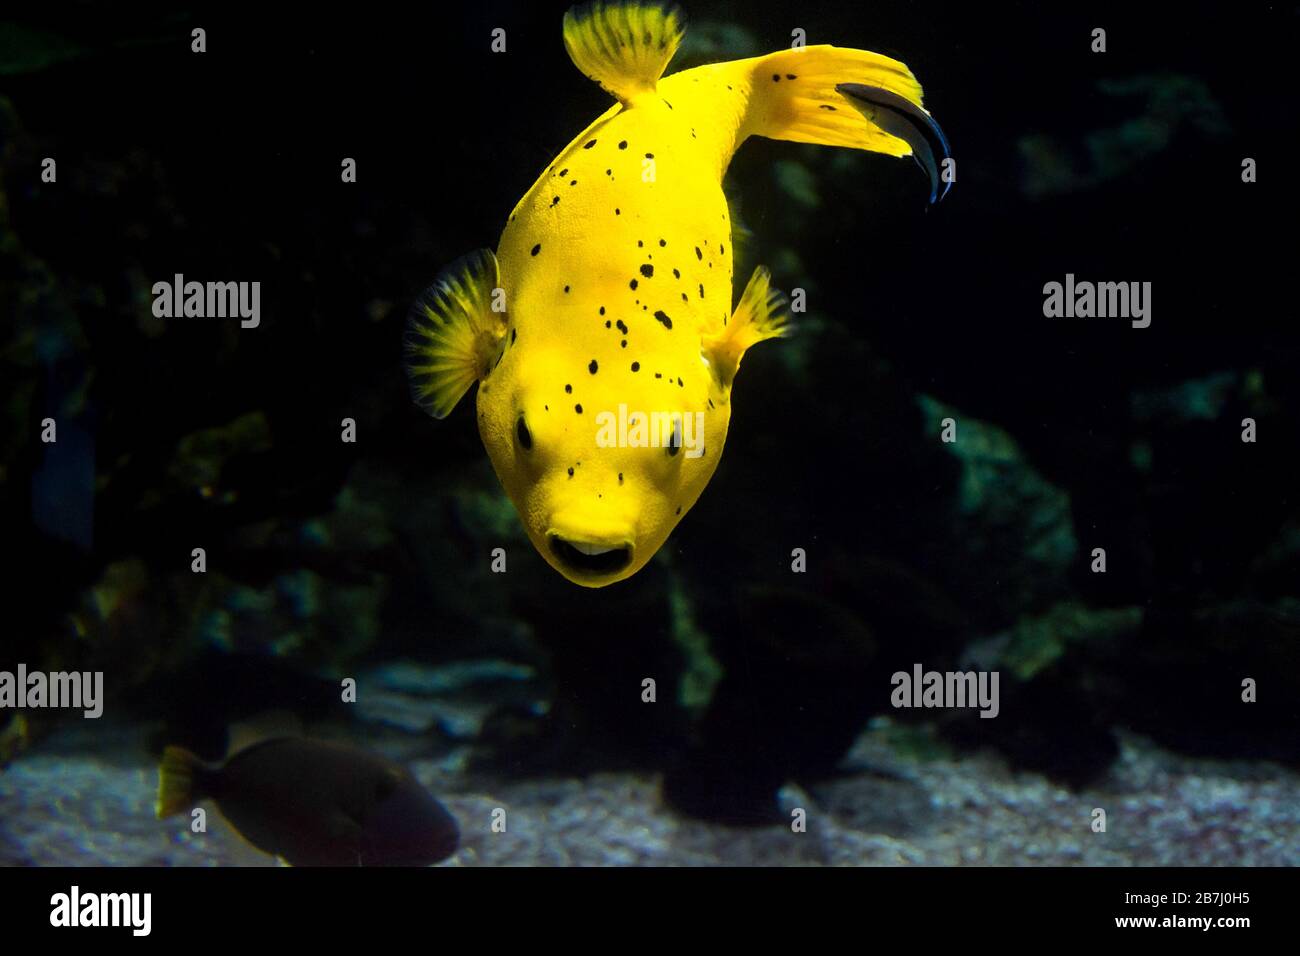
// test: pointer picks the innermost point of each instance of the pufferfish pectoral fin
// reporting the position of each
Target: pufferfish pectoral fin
(760, 315)
(453, 336)
(624, 45)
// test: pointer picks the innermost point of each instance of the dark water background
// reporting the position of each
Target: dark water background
(327, 560)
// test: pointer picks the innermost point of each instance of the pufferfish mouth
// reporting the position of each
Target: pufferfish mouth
(589, 558)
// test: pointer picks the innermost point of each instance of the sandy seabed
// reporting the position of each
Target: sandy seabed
(67, 803)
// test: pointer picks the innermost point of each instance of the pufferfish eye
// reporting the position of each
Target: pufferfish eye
(523, 434)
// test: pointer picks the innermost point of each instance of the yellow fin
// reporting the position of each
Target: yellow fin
(832, 96)
(760, 315)
(176, 791)
(623, 46)
(794, 97)
(453, 338)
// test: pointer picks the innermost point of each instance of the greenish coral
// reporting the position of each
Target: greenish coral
(797, 182)
(703, 670)
(710, 41)
(1038, 642)
(1005, 507)
(487, 509)
(918, 741)
(27, 50)
(201, 455)
(1170, 102)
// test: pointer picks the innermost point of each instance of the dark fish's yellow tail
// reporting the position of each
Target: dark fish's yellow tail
(177, 776)
(832, 96)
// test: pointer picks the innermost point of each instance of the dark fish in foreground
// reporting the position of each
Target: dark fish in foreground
(315, 803)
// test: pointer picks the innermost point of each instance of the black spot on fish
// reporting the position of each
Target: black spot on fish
(659, 375)
(632, 284)
(791, 76)
(662, 316)
(636, 366)
(578, 409)
(776, 77)
(684, 299)
(701, 290)
(609, 172)
(602, 312)
(620, 477)
(555, 201)
(649, 155)
(647, 270)
(679, 382)
(679, 509)
(827, 106)
(623, 344)
(566, 288)
(722, 250)
(537, 248)
(564, 172)
(589, 145)
(677, 274)
(621, 326)
(618, 212)
(607, 323)
(640, 244)
(662, 243)
(698, 255)
(623, 145)
(570, 471)
(666, 103)
(592, 367)
(568, 390)
(573, 182)
(711, 405)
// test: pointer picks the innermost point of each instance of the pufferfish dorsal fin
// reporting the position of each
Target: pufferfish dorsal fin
(624, 46)
(760, 315)
(453, 336)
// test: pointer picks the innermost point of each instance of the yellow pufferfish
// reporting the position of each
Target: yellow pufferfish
(601, 333)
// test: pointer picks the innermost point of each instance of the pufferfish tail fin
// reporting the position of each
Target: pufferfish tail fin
(624, 45)
(453, 336)
(833, 96)
(761, 314)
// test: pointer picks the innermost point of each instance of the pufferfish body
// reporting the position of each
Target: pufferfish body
(602, 332)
